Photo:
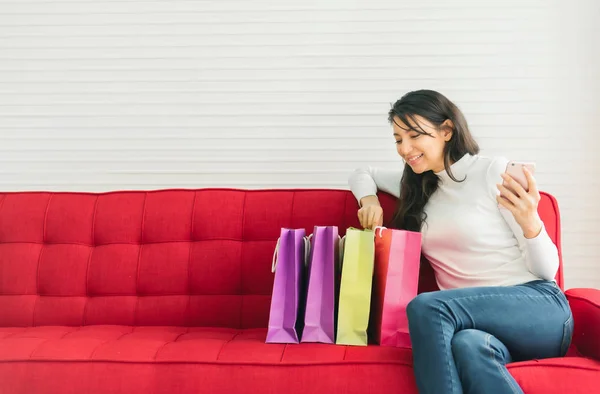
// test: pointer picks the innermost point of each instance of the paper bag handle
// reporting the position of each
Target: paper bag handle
(274, 262)
(381, 228)
(276, 253)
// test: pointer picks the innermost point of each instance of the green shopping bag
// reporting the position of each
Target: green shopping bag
(355, 288)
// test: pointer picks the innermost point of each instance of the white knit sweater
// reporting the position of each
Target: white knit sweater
(467, 238)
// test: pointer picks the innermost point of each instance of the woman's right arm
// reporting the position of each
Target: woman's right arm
(364, 184)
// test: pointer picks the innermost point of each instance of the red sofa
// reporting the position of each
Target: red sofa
(168, 292)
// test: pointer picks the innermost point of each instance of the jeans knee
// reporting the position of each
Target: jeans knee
(422, 305)
(466, 342)
(471, 344)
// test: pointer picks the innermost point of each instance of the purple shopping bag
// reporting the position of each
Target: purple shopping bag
(323, 286)
(286, 301)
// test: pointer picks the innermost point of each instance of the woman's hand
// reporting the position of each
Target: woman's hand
(371, 213)
(521, 203)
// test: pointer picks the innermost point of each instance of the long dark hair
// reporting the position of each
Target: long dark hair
(416, 189)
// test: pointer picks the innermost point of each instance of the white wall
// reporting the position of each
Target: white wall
(104, 95)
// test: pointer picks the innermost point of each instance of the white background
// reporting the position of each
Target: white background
(128, 94)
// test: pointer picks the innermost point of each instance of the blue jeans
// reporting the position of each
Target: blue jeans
(463, 338)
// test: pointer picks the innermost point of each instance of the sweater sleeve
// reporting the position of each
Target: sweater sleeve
(367, 181)
(541, 254)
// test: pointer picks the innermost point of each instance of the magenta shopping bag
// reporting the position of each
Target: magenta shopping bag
(285, 317)
(395, 284)
(323, 286)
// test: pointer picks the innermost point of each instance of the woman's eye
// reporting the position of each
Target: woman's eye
(415, 136)
(398, 142)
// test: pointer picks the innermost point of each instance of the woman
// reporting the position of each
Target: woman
(481, 232)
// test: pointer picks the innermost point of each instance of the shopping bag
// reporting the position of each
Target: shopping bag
(287, 298)
(395, 284)
(355, 287)
(319, 318)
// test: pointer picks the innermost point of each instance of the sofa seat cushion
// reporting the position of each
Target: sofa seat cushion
(177, 344)
(166, 359)
(558, 375)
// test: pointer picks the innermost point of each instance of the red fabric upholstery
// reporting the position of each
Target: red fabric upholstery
(585, 305)
(169, 291)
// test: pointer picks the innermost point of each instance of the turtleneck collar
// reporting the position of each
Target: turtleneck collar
(459, 168)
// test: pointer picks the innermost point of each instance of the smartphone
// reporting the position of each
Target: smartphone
(515, 170)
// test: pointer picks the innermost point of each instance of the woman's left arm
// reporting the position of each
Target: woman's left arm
(541, 255)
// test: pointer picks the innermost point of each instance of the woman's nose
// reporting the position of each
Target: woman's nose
(404, 148)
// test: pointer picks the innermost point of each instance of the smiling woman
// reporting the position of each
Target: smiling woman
(445, 138)
(496, 267)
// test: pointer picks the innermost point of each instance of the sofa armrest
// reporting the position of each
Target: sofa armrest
(585, 305)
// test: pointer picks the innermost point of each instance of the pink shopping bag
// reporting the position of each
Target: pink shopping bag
(395, 284)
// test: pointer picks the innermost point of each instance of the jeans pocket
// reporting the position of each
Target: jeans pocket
(567, 336)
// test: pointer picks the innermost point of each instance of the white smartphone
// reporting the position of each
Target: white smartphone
(515, 170)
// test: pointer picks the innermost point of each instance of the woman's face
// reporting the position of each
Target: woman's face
(421, 151)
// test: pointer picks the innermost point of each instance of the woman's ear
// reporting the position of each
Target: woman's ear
(447, 130)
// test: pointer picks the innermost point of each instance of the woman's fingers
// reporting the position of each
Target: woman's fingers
(361, 220)
(508, 194)
(531, 183)
(513, 185)
(370, 216)
(506, 204)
